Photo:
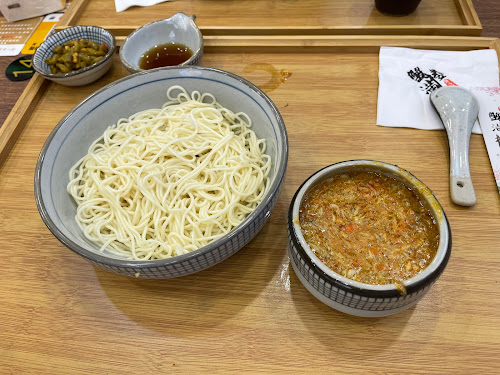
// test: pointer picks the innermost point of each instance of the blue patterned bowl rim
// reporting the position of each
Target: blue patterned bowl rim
(65, 35)
(273, 189)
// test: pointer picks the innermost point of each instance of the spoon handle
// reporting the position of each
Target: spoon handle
(461, 188)
(458, 110)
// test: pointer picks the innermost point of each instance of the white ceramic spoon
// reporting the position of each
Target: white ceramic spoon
(458, 110)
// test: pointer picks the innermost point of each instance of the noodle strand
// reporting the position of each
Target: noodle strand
(168, 181)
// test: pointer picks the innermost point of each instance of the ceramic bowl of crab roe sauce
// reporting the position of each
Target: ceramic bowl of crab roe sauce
(367, 238)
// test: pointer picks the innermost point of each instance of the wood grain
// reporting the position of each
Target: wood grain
(467, 12)
(73, 13)
(250, 314)
(19, 115)
(316, 17)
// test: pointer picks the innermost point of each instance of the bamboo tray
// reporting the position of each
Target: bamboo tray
(251, 313)
(291, 17)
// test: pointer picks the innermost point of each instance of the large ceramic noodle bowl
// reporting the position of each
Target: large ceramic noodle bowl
(163, 173)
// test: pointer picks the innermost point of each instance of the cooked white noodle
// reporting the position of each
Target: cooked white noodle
(168, 181)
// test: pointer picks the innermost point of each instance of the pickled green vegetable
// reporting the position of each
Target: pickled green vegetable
(75, 55)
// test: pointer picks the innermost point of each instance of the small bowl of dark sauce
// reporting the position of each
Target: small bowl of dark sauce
(174, 41)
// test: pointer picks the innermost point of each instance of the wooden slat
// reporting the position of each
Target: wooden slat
(352, 30)
(468, 13)
(15, 122)
(316, 30)
(73, 13)
(349, 41)
(495, 44)
(367, 43)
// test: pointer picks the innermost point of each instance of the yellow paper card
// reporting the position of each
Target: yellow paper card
(39, 35)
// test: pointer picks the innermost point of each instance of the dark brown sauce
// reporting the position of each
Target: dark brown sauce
(397, 7)
(167, 54)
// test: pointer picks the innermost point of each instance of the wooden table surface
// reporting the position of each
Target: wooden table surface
(61, 315)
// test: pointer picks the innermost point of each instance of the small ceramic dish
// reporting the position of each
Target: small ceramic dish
(353, 297)
(82, 76)
(179, 28)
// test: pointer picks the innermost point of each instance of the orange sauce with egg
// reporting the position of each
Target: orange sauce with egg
(369, 227)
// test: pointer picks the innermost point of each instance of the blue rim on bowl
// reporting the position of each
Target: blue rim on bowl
(179, 265)
(94, 33)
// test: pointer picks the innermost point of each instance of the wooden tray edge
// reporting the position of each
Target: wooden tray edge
(467, 13)
(386, 30)
(73, 13)
(20, 113)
